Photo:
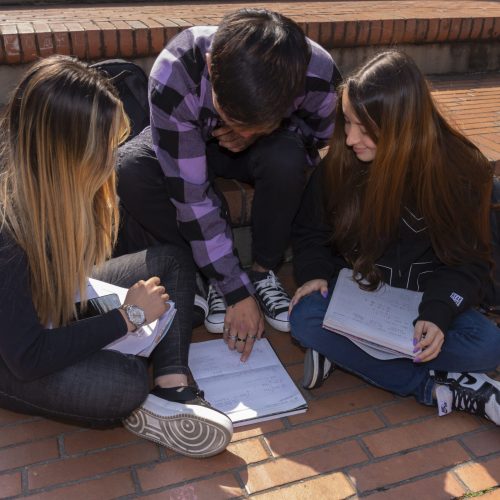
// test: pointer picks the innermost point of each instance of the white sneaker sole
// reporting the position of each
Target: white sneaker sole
(282, 326)
(201, 303)
(196, 431)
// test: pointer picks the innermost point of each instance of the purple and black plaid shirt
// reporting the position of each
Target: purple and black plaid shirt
(182, 120)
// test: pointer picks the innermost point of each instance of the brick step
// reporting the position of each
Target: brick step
(141, 30)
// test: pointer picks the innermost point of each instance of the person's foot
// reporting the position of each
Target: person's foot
(180, 419)
(273, 300)
(200, 310)
(317, 369)
(475, 393)
(214, 321)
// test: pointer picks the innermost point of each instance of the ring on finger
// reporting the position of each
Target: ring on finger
(240, 340)
(232, 337)
(251, 337)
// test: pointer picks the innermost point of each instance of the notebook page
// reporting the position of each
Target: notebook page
(384, 316)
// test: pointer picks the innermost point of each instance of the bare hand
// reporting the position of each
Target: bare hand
(429, 339)
(243, 325)
(150, 296)
(231, 140)
(318, 285)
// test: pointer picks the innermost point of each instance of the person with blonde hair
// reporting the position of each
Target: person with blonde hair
(58, 225)
(402, 198)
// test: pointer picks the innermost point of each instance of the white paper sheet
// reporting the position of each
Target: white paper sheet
(257, 390)
(383, 317)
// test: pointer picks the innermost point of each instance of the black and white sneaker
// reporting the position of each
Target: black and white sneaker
(214, 321)
(274, 301)
(200, 311)
(317, 369)
(475, 393)
(180, 419)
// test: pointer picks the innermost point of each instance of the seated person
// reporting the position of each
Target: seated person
(402, 198)
(252, 100)
(58, 220)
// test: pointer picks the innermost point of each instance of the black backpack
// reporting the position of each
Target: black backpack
(132, 85)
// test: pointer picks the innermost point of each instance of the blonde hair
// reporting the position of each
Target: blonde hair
(57, 183)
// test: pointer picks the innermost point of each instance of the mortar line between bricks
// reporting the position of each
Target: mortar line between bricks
(135, 481)
(241, 484)
(304, 481)
(161, 489)
(23, 421)
(83, 480)
(447, 469)
(469, 450)
(375, 459)
(486, 490)
(70, 455)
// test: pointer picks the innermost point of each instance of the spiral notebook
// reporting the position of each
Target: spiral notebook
(257, 390)
(379, 322)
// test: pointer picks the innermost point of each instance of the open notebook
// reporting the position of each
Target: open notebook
(257, 390)
(379, 322)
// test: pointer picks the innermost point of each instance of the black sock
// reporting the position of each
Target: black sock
(257, 275)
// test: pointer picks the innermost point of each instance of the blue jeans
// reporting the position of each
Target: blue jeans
(107, 386)
(472, 344)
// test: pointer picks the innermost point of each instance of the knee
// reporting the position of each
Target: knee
(165, 259)
(174, 265)
(305, 318)
(283, 157)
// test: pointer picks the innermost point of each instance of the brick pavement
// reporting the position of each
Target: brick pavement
(355, 441)
(100, 31)
(472, 103)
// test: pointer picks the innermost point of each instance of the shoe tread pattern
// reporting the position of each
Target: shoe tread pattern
(186, 434)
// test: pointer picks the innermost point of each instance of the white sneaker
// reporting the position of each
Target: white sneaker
(214, 320)
(274, 301)
(317, 369)
(182, 420)
(475, 393)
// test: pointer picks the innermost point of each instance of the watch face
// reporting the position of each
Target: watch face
(136, 315)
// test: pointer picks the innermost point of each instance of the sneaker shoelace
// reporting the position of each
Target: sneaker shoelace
(215, 302)
(470, 400)
(272, 293)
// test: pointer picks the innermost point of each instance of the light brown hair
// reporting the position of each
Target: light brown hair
(420, 160)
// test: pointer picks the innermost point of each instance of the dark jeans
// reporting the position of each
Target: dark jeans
(275, 165)
(107, 386)
(472, 344)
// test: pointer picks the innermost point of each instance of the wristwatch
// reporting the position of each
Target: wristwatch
(134, 314)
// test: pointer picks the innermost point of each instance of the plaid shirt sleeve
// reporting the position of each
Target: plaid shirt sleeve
(313, 112)
(179, 95)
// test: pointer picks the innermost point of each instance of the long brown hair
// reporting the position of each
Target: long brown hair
(57, 185)
(420, 160)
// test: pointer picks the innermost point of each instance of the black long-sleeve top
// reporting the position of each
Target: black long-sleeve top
(409, 261)
(29, 349)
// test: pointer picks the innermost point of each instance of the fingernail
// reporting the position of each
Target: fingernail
(417, 360)
(416, 349)
(324, 293)
(415, 341)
